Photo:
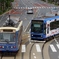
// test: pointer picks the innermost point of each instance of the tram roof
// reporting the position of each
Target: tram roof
(15, 20)
(46, 18)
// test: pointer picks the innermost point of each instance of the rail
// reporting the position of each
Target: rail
(48, 40)
(7, 55)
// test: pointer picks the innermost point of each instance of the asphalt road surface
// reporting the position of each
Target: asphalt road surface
(31, 50)
(23, 4)
(54, 49)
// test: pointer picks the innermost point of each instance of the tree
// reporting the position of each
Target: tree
(5, 4)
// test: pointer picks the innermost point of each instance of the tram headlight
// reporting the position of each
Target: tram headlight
(13, 46)
(41, 35)
(1, 46)
(32, 35)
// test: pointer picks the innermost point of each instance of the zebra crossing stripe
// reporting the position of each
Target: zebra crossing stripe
(57, 45)
(53, 48)
(23, 48)
(33, 7)
(38, 48)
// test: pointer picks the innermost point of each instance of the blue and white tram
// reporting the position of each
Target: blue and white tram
(11, 35)
(42, 28)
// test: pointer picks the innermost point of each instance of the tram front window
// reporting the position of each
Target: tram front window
(37, 26)
(7, 37)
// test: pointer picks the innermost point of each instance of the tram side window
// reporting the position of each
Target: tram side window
(44, 28)
(54, 25)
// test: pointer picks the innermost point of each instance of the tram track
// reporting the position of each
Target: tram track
(47, 42)
(44, 49)
(31, 50)
(24, 41)
(6, 55)
(45, 53)
(32, 46)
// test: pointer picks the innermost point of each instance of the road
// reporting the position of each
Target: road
(32, 50)
(36, 51)
(23, 4)
(54, 51)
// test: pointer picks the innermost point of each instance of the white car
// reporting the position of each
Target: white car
(29, 11)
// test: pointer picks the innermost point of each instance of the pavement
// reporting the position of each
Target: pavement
(54, 49)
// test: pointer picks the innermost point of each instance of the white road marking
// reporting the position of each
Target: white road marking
(58, 57)
(37, 7)
(25, 18)
(23, 48)
(28, 36)
(21, 7)
(56, 40)
(57, 45)
(33, 7)
(38, 48)
(29, 30)
(33, 53)
(53, 48)
(30, 42)
(27, 26)
(35, 57)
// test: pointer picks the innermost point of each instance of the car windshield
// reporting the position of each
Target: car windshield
(7, 37)
(37, 26)
(30, 9)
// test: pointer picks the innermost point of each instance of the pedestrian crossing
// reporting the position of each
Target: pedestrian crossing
(38, 48)
(23, 49)
(57, 45)
(32, 7)
(52, 48)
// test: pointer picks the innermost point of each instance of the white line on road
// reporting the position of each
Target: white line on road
(53, 48)
(57, 45)
(38, 48)
(33, 53)
(56, 40)
(30, 42)
(27, 26)
(23, 48)
(29, 30)
(33, 7)
(29, 36)
(35, 57)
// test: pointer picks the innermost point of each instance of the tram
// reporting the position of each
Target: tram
(10, 34)
(44, 27)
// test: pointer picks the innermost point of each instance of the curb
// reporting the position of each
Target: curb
(6, 12)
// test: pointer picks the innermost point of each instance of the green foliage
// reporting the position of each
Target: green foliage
(4, 5)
